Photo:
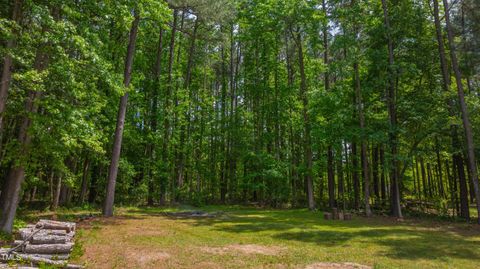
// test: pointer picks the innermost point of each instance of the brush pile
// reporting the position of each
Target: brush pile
(48, 242)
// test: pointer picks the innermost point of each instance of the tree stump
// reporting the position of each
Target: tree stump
(327, 215)
(335, 213)
(347, 216)
(340, 216)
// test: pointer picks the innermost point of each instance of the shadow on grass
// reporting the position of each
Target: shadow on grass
(407, 240)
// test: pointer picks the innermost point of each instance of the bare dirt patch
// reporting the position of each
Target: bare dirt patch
(143, 258)
(330, 265)
(245, 249)
(111, 245)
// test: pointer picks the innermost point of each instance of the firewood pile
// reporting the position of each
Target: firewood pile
(337, 215)
(47, 242)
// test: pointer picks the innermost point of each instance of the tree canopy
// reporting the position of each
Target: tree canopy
(361, 105)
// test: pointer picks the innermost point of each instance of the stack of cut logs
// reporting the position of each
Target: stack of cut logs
(336, 215)
(47, 242)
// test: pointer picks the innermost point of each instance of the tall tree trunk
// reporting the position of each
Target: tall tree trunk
(331, 178)
(464, 207)
(92, 193)
(117, 142)
(364, 156)
(341, 187)
(56, 197)
(419, 185)
(376, 189)
(223, 127)
(429, 180)
(153, 116)
(424, 178)
(356, 181)
(9, 197)
(441, 190)
(307, 143)
(178, 124)
(232, 158)
(472, 165)
(166, 120)
(346, 185)
(392, 112)
(84, 186)
(330, 160)
(383, 184)
(51, 192)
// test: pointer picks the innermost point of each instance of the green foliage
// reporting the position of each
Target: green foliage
(219, 116)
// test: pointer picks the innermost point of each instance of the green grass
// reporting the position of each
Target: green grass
(304, 238)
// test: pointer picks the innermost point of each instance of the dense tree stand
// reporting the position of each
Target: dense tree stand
(326, 105)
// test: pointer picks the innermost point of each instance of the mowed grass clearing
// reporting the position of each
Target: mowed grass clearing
(254, 238)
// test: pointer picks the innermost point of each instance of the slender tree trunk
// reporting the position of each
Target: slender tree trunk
(33, 193)
(330, 160)
(356, 181)
(117, 143)
(56, 197)
(346, 188)
(222, 123)
(414, 175)
(84, 186)
(92, 193)
(464, 207)
(383, 184)
(424, 178)
(153, 116)
(50, 186)
(429, 180)
(306, 119)
(392, 112)
(441, 190)
(232, 158)
(376, 189)
(341, 187)
(364, 158)
(331, 178)
(166, 121)
(419, 187)
(178, 124)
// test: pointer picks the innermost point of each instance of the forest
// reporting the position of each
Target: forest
(240, 133)
(371, 107)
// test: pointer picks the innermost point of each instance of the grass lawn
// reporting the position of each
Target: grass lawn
(252, 238)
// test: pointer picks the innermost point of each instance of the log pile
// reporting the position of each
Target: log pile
(47, 242)
(337, 215)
